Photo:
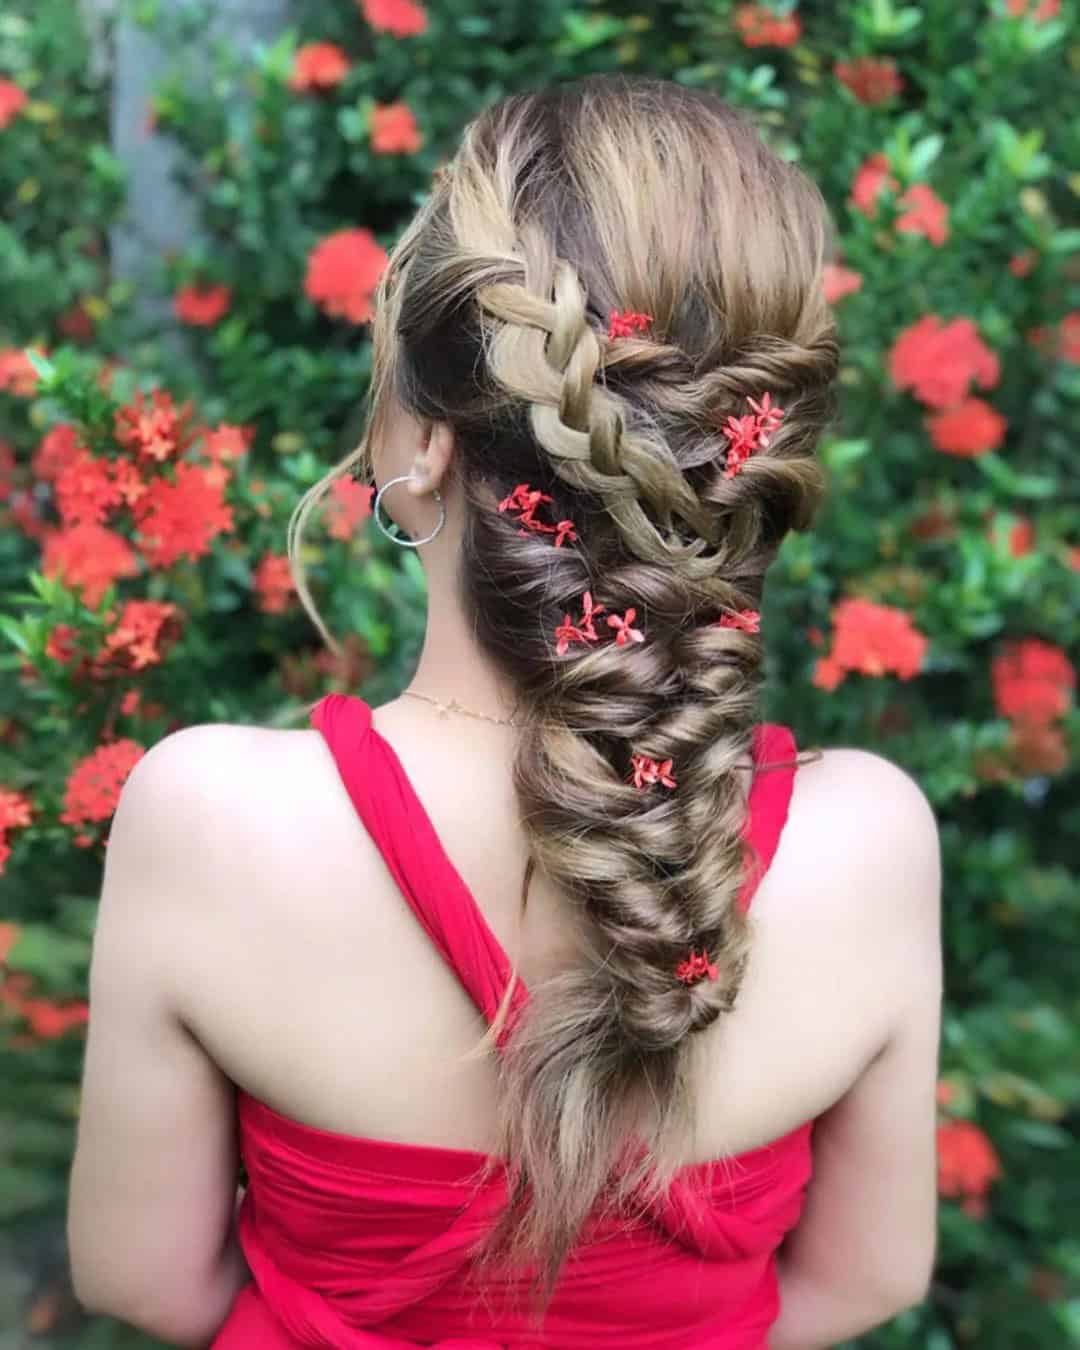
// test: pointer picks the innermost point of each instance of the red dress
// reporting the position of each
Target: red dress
(362, 1244)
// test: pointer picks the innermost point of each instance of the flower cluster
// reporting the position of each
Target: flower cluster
(273, 583)
(870, 639)
(967, 1165)
(923, 211)
(15, 813)
(94, 785)
(760, 26)
(747, 620)
(750, 432)
(582, 631)
(343, 270)
(139, 638)
(318, 66)
(401, 18)
(871, 79)
(202, 306)
(524, 502)
(939, 362)
(695, 968)
(625, 323)
(647, 772)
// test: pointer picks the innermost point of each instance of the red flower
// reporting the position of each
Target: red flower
(1022, 263)
(201, 306)
(1044, 9)
(1022, 538)
(938, 361)
(142, 632)
(61, 644)
(342, 273)
(871, 79)
(839, 281)
(273, 583)
(967, 1164)
(394, 130)
(625, 323)
(582, 631)
(94, 784)
(12, 101)
(750, 432)
(967, 429)
(1032, 682)
(695, 968)
(565, 533)
(402, 18)
(76, 323)
(749, 620)
(17, 374)
(156, 432)
(624, 633)
(648, 771)
(349, 506)
(926, 214)
(15, 810)
(50, 1020)
(180, 519)
(1038, 749)
(871, 180)
(7, 469)
(88, 558)
(318, 66)
(1069, 338)
(759, 26)
(9, 935)
(58, 446)
(85, 490)
(870, 639)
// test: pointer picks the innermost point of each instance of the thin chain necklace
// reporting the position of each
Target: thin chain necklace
(453, 706)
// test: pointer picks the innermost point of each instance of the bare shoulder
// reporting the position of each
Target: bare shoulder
(862, 832)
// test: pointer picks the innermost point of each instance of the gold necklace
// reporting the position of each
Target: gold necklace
(445, 709)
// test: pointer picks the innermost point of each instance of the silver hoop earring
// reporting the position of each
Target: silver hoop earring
(399, 538)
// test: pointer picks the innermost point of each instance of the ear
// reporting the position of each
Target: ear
(432, 462)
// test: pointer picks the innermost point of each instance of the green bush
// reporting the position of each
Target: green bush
(929, 617)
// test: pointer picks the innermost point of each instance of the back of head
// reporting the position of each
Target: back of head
(563, 207)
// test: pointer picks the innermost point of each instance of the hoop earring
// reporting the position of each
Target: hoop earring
(399, 538)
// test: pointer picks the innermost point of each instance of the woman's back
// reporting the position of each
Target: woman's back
(320, 994)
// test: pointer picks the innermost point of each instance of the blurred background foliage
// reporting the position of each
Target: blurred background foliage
(933, 616)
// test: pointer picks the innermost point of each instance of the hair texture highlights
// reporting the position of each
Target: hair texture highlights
(561, 207)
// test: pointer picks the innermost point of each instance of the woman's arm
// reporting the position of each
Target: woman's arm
(864, 1249)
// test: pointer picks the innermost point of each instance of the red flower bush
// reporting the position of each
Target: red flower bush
(342, 273)
(402, 18)
(759, 26)
(89, 559)
(967, 1165)
(180, 519)
(94, 784)
(155, 431)
(273, 583)
(394, 130)
(348, 506)
(871, 79)
(318, 66)
(870, 639)
(201, 306)
(970, 427)
(871, 180)
(926, 214)
(17, 374)
(1033, 681)
(12, 101)
(85, 490)
(839, 281)
(58, 447)
(15, 813)
(938, 361)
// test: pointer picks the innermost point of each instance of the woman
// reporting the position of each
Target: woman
(473, 987)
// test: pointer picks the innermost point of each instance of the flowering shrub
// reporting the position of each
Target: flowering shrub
(933, 616)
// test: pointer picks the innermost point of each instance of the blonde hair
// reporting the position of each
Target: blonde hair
(559, 208)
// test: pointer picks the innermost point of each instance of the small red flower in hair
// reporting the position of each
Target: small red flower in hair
(750, 432)
(625, 323)
(749, 620)
(695, 968)
(565, 533)
(648, 771)
(525, 501)
(623, 631)
(582, 631)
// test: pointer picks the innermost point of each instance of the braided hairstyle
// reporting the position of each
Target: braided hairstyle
(561, 207)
